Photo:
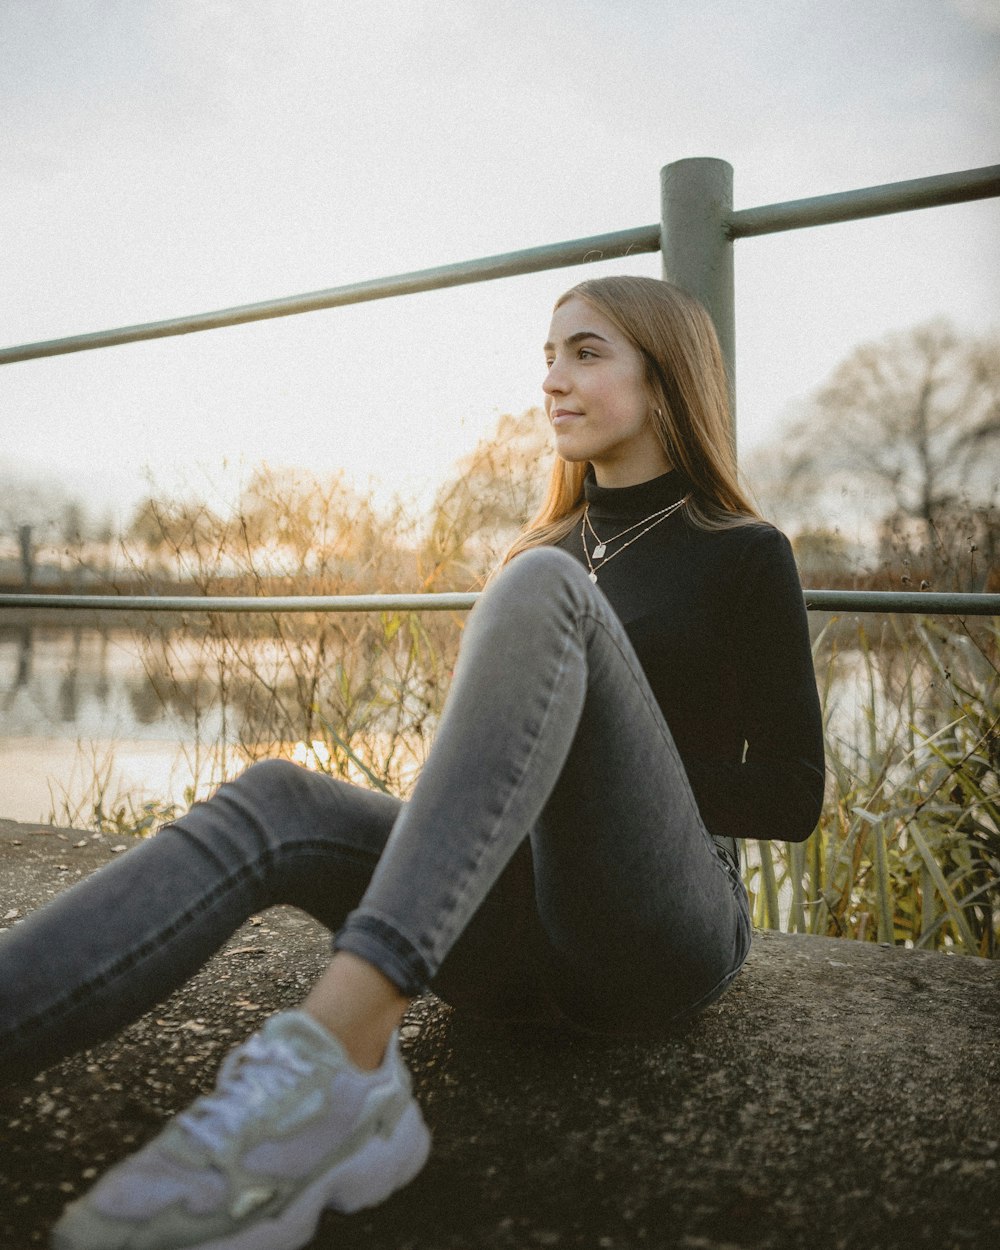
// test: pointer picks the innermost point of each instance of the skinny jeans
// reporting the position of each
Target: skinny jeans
(551, 864)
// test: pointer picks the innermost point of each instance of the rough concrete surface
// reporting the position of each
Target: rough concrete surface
(840, 1095)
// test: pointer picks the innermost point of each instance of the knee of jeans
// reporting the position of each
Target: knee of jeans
(278, 798)
(540, 570)
(251, 822)
(269, 778)
(270, 775)
(285, 804)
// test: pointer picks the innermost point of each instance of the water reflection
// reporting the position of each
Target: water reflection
(46, 673)
(25, 649)
(213, 695)
(76, 701)
(69, 685)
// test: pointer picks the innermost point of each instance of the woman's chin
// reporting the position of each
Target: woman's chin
(567, 450)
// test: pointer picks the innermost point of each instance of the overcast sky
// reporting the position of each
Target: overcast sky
(163, 157)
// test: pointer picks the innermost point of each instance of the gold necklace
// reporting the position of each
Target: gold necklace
(650, 522)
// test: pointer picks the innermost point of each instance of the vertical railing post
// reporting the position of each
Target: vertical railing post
(27, 555)
(696, 199)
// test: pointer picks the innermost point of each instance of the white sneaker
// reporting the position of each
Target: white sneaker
(292, 1127)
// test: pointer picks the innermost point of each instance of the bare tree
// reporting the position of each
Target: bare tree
(913, 420)
(915, 414)
(41, 501)
(481, 507)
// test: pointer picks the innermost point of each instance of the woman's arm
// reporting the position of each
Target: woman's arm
(777, 792)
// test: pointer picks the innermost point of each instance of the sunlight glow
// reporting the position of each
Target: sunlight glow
(313, 755)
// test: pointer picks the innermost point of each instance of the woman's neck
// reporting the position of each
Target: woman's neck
(613, 479)
(632, 469)
(638, 499)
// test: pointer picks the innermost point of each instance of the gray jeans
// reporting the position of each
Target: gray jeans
(551, 863)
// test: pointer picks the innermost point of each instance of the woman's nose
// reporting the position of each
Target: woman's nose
(554, 383)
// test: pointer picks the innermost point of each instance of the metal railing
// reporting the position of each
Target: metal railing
(929, 602)
(695, 235)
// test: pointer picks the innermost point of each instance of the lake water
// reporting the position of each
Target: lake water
(77, 704)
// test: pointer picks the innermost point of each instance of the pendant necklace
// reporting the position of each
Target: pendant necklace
(600, 551)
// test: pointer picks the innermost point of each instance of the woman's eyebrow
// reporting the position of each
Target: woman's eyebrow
(576, 338)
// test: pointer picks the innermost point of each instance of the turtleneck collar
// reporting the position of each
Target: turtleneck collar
(633, 502)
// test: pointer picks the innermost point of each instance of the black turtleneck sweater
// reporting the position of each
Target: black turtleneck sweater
(718, 622)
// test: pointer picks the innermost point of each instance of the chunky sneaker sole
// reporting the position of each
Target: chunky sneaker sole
(291, 1129)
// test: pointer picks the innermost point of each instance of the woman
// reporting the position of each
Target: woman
(634, 691)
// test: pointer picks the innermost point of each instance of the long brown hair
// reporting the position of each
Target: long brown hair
(689, 401)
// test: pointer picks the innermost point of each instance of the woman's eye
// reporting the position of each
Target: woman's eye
(585, 353)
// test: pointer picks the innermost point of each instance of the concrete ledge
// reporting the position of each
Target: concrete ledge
(840, 1095)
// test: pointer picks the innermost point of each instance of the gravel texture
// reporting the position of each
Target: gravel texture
(840, 1095)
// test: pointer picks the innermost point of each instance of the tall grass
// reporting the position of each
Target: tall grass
(908, 847)
(353, 694)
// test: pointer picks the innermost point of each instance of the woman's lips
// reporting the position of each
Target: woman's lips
(562, 416)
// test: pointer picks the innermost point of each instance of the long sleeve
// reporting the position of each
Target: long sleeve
(777, 790)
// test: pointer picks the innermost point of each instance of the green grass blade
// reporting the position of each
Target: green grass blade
(952, 905)
(797, 916)
(886, 929)
(772, 916)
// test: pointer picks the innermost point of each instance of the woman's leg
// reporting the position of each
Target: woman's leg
(645, 921)
(551, 728)
(112, 946)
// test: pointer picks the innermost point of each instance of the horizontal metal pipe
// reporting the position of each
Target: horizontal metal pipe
(242, 603)
(892, 197)
(929, 602)
(531, 260)
(922, 602)
(845, 206)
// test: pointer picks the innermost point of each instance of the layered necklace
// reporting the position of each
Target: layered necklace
(600, 553)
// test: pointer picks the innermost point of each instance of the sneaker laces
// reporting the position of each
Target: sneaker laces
(248, 1078)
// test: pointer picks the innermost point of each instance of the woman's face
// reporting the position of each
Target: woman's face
(596, 398)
